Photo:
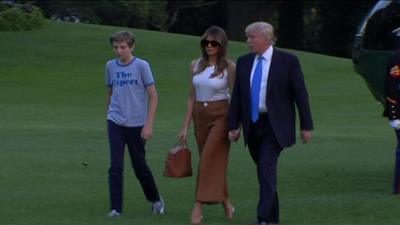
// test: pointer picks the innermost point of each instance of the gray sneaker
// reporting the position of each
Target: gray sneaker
(114, 213)
(158, 207)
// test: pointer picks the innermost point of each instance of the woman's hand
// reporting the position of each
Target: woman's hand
(183, 135)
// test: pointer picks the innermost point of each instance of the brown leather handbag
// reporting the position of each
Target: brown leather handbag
(179, 161)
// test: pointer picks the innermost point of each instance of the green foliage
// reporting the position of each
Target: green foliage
(3, 7)
(124, 13)
(137, 14)
(156, 14)
(330, 26)
(312, 26)
(17, 19)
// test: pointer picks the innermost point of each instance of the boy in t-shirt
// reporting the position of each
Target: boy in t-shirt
(130, 118)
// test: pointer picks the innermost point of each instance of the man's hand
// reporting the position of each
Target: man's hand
(234, 135)
(306, 135)
(147, 132)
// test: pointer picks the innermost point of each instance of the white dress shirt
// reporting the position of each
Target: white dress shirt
(266, 63)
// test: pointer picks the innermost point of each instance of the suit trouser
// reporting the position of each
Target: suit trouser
(265, 150)
(120, 136)
(396, 177)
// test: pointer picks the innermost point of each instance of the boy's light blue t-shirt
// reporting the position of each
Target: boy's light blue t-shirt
(128, 105)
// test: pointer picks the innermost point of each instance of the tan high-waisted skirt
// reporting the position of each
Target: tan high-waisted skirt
(211, 131)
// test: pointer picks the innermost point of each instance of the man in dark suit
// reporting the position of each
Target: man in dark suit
(269, 82)
(392, 99)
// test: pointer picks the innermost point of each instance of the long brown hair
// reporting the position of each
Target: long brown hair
(222, 62)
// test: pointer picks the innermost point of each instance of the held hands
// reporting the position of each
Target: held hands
(306, 136)
(234, 135)
(147, 132)
(395, 124)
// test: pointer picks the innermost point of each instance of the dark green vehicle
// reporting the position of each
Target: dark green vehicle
(374, 43)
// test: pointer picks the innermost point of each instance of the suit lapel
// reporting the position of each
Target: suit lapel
(247, 68)
(272, 69)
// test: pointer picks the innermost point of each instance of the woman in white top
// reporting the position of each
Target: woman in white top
(212, 79)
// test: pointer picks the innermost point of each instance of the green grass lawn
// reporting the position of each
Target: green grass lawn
(52, 115)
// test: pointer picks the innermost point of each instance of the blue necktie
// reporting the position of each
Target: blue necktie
(255, 89)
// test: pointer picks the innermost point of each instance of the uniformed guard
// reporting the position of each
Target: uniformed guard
(392, 98)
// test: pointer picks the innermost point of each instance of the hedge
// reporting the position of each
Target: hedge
(19, 18)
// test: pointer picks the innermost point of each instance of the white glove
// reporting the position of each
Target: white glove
(395, 124)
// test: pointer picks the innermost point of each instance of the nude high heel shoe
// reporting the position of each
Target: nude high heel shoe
(197, 214)
(229, 210)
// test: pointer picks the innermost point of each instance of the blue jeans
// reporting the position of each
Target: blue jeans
(120, 136)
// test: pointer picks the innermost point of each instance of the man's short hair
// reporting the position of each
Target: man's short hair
(266, 29)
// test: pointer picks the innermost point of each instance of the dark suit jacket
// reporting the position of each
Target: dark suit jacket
(285, 88)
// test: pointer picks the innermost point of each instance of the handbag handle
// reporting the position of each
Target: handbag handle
(178, 146)
(181, 143)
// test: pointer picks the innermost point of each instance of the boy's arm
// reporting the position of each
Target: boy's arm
(108, 98)
(147, 131)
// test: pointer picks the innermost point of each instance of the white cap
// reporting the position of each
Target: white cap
(396, 38)
(396, 32)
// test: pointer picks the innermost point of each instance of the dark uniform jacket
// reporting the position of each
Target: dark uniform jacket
(392, 88)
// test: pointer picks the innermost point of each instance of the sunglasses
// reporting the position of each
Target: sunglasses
(213, 44)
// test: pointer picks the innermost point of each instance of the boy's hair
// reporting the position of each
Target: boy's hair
(123, 36)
